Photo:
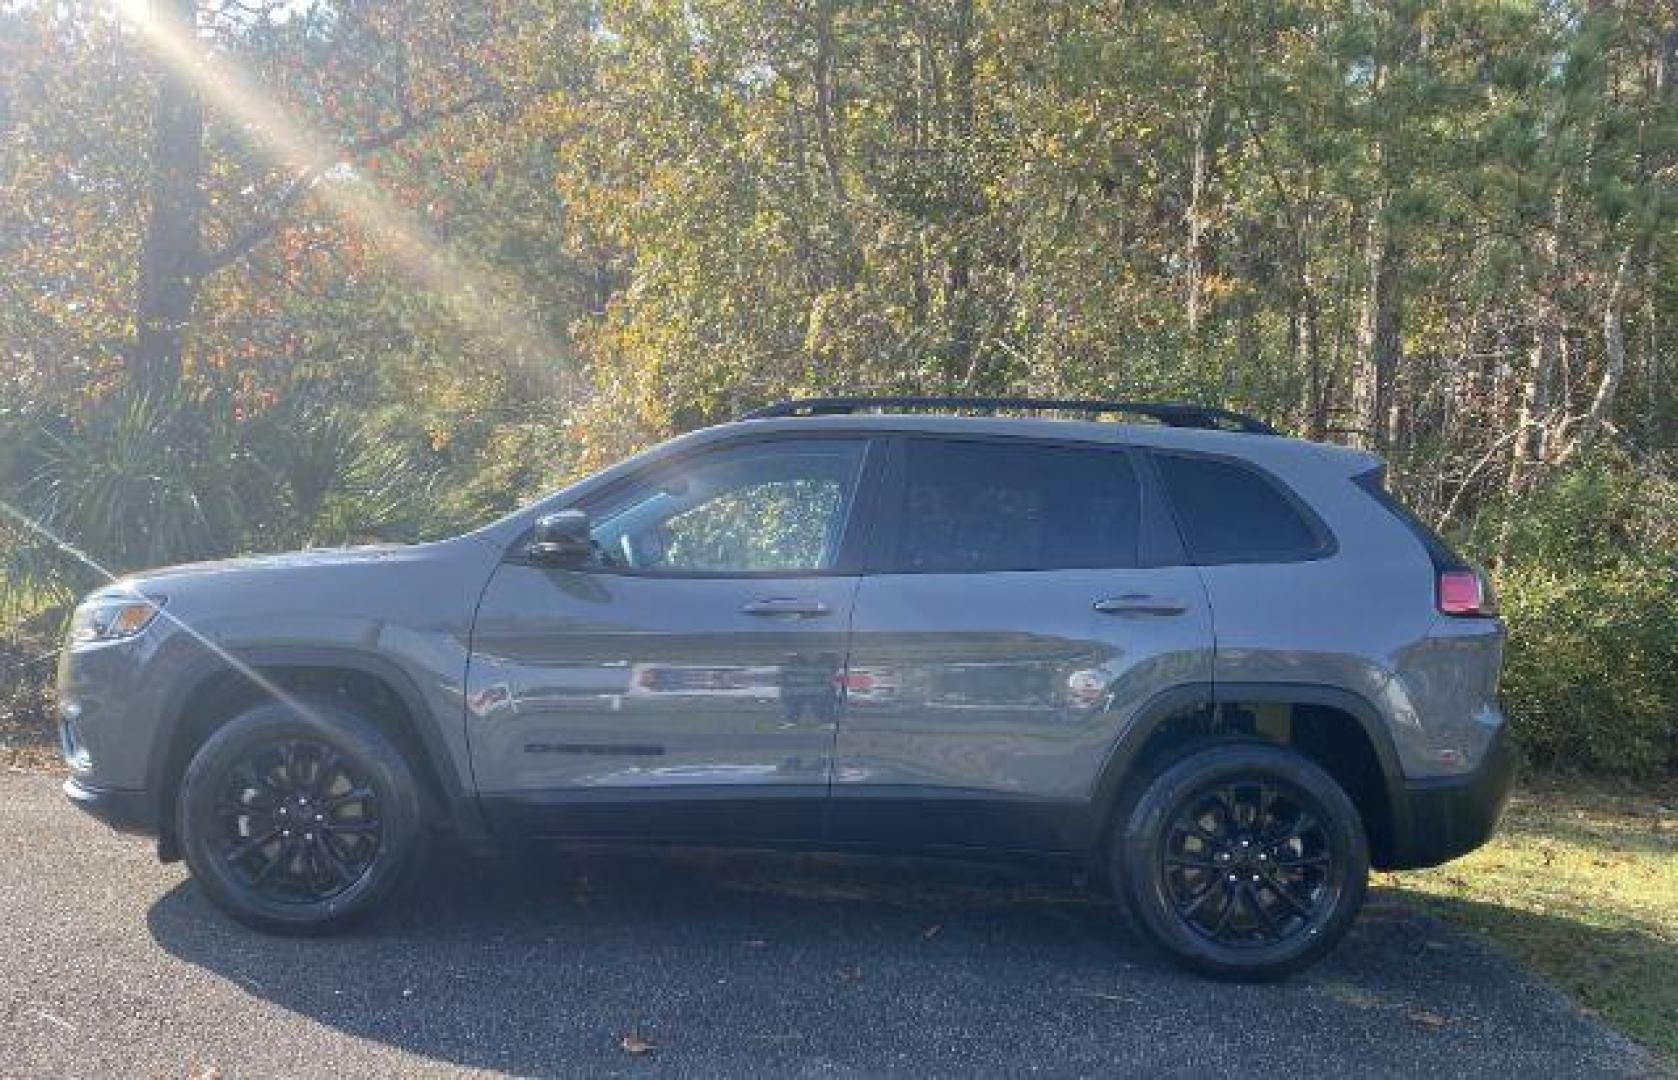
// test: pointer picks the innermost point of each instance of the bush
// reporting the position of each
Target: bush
(139, 482)
(1589, 585)
(1591, 678)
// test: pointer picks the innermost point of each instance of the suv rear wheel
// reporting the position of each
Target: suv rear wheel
(1242, 860)
(300, 820)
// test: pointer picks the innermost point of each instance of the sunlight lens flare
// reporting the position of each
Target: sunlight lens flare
(469, 294)
(134, 12)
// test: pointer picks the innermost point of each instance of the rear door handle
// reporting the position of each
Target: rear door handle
(1140, 604)
(785, 605)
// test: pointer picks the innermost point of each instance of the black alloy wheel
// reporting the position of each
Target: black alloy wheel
(299, 822)
(1247, 864)
(1241, 859)
(300, 817)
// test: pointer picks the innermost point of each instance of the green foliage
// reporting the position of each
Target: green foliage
(1590, 591)
(146, 481)
(137, 482)
(1592, 672)
(332, 479)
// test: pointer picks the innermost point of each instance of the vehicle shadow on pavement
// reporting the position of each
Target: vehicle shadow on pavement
(729, 962)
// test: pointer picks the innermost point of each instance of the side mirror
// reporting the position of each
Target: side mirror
(563, 539)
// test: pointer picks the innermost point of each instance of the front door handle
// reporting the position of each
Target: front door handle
(1140, 604)
(785, 605)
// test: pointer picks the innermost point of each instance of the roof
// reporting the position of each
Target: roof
(1240, 444)
(1170, 413)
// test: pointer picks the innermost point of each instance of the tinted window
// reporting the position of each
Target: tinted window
(972, 506)
(765, 507)
(1231, 513)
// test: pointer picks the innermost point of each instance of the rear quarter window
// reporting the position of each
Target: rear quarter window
(1229, 512)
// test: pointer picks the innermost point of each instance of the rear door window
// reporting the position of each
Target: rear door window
(969, 507)
(1231, 513)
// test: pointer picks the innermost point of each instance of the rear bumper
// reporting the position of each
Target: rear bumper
(1451, 816)
(124, 811)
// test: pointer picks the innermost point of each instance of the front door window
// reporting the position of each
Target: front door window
(775, 507)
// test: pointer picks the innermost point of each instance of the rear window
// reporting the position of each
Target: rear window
(977, 506)
(1233, 513)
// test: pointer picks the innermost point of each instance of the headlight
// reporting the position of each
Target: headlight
(108, 618)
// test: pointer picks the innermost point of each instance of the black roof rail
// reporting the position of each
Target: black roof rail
(1171, 414)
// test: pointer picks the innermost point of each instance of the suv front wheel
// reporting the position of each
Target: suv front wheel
(300, 818)
(1242, 860)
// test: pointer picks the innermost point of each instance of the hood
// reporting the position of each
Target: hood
(266, 564)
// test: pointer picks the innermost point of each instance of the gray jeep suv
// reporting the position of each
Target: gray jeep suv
(1224, 664)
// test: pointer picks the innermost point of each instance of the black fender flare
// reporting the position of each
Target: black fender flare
(461, 799)
(1118, 769)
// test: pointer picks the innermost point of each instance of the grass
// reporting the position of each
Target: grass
(1581, 883)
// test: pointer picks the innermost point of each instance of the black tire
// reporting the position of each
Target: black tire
(1241, 861)
(345, 799)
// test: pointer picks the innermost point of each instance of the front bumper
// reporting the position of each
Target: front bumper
(125, 811)
(1441, 819)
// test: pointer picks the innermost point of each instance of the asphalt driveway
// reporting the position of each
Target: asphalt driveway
(711, 964)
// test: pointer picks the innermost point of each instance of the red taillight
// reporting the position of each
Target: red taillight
(1464, 592)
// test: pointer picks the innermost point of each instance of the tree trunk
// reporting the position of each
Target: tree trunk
(1614, 361)
(169, 256)
(822, 74)
(1665, 61)
(1528, 447)
(962, 357)
(1309, 356)
(1379, 338)
(1654, 371)
(1197, 215)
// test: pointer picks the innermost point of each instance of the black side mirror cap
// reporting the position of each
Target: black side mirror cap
(562, 539)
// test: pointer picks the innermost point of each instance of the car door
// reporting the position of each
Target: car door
(1023, 602)
(684, 682)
